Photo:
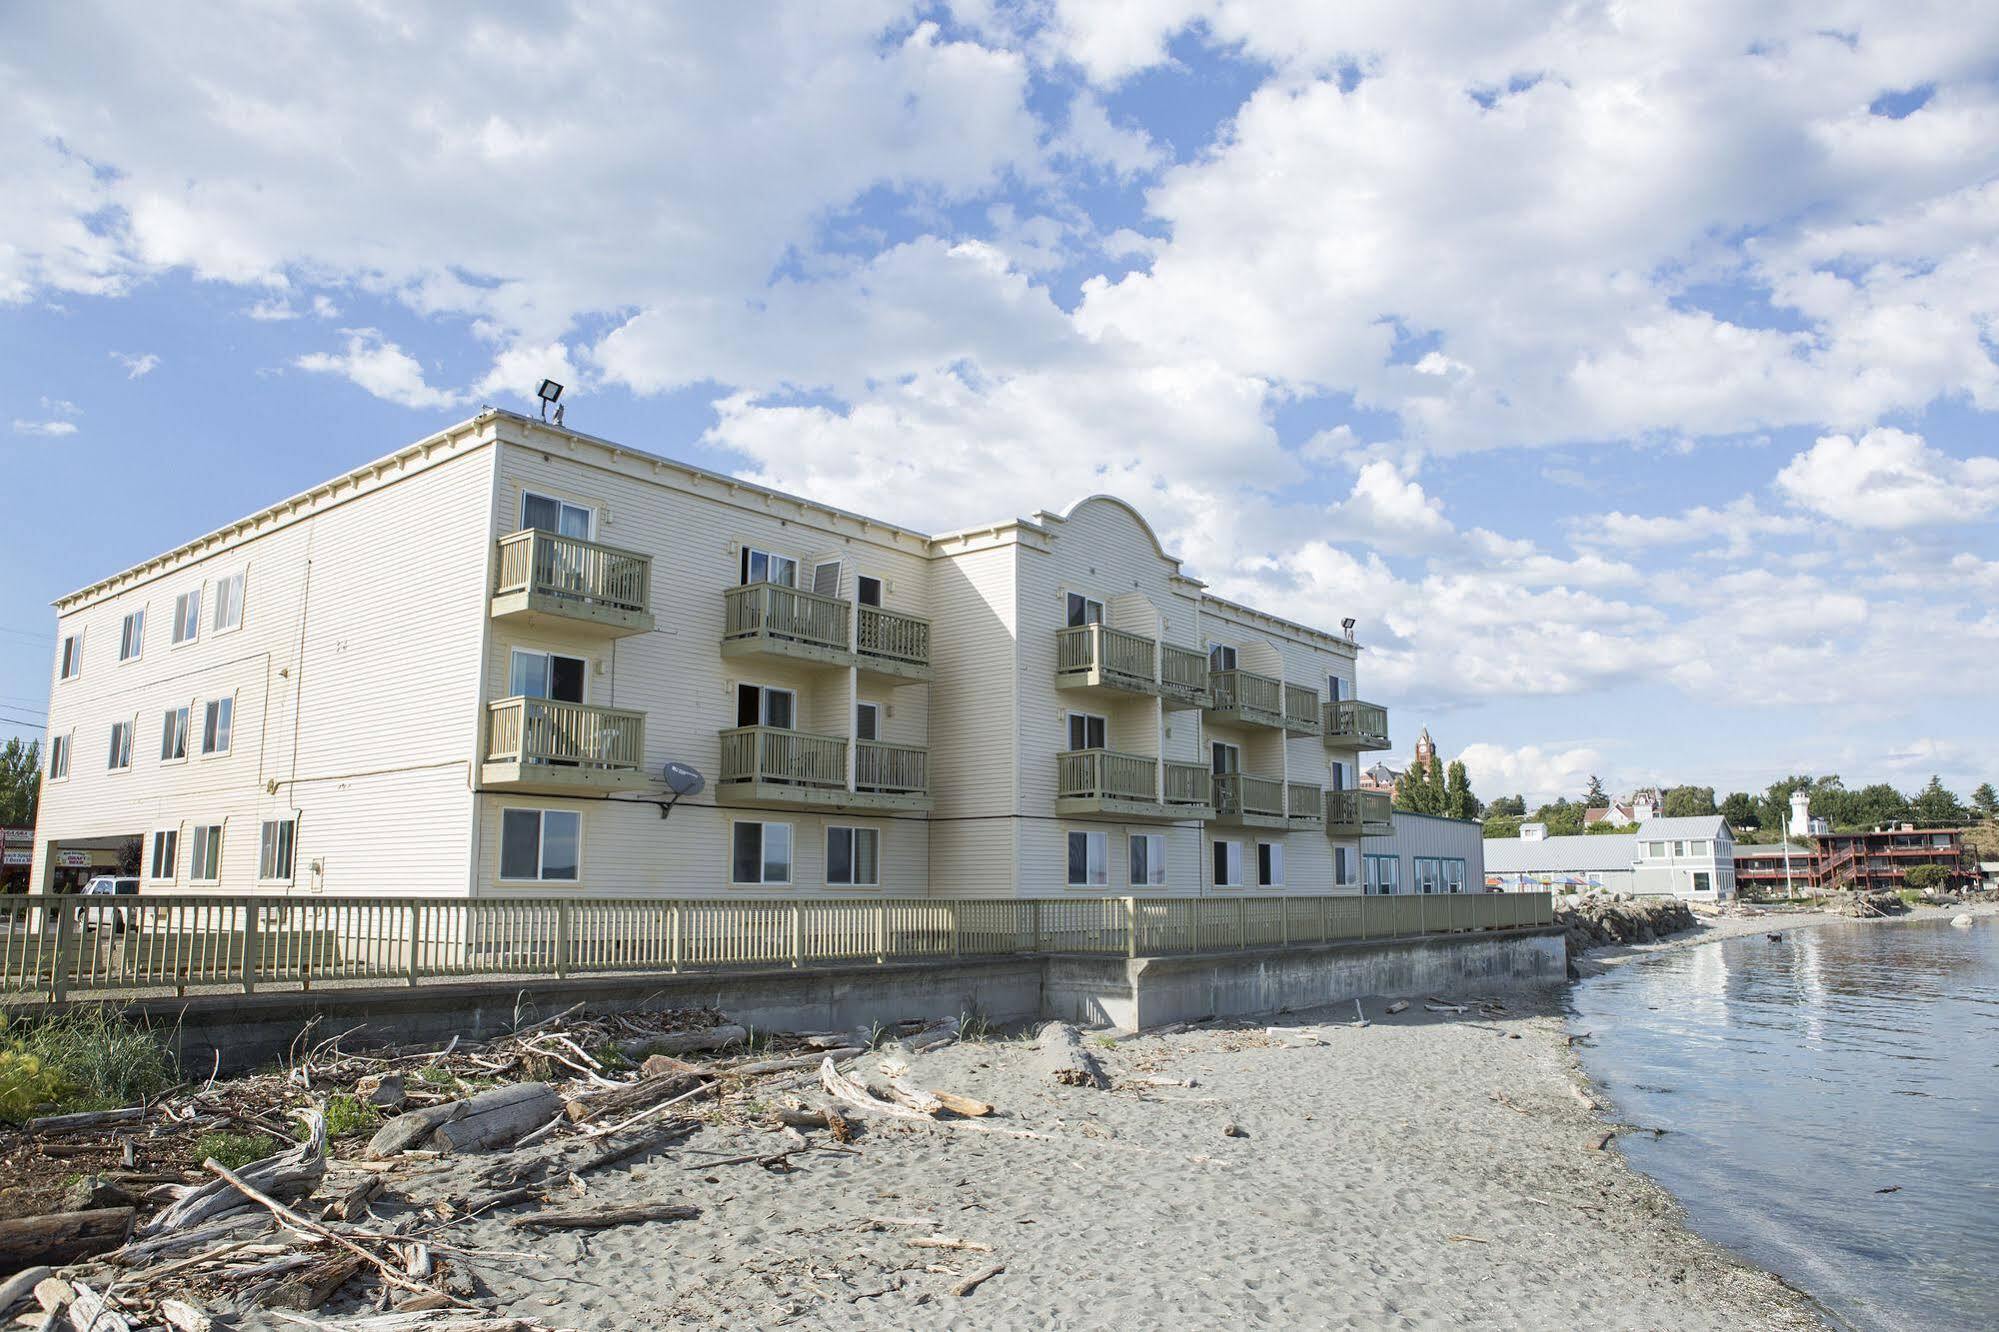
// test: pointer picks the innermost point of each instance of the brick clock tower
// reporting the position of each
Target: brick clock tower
(1426, 749)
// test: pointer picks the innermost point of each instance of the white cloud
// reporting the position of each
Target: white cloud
(1539, 773)
(1889, 479)
(273, 310)
(1091, 137)
(137, 367)
(383, 369)
(46, 429)
(1733, 526)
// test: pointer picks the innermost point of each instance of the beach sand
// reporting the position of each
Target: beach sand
(1426, 1170)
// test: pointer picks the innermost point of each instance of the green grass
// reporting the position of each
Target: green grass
(234, 1150)
(349, 1116)
(86, 1059)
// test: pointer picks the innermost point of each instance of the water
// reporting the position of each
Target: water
(1798, 1078)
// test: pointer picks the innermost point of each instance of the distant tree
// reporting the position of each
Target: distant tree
(1564, 818)
(1501, 825)
(1459, 802)
(1876, 803)
(1935, 807)
(1513, 805)
(1921, 877)
(1741, 811)
(1421, 790)
(1605, 828)
(1774, 810)
(1985, 801)
(1596, 797)
(1687, 802)
(20, 783)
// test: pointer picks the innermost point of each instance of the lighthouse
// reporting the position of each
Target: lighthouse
(1801, 814)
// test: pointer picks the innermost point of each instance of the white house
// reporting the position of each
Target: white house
(1693, 858)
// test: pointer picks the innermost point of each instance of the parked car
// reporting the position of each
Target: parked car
(99, 914)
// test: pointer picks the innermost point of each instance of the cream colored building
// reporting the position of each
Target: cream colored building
(464, 668)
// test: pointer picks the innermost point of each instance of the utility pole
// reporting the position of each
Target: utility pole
(1788, 893)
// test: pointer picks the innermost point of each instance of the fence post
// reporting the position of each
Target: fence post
(414, 912)
(1034, 918)
(881, 931)
(797, 937)
(1284, 921)
(1242, 922)
(59, 966)
(957, 943)
(1131, 927)
(562, 940)
(673, 936)
(250, 946)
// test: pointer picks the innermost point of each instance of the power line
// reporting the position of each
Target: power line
(23, 721)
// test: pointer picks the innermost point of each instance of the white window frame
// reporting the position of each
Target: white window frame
(1374, 881)
(1231, 849)
(69, 656)
(771, 558)
(153, 856)
(61, 749)
(820, 565)
(1343, 865)
(1234, 751)
(1270, 864)
(854, 833)
(1074, 601)
(764, 693)
(289, 839)
(1223, 652)
(1103, 723)
(1096, 858)
(187, 613)
(587, 510)
(1460, 881)
(548, 657)
(1436, 865)
(111, 763)
(871, 709)
(881, 589)
(241, 580)
(198, 841)
(541, 874)
(181, 717)
(132, 634)
(1154, 857)
(214, 705)
(763, 854)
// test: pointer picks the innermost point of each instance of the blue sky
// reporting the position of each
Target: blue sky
(1627, 372)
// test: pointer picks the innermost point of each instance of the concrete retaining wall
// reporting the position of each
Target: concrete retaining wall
(1099, 991)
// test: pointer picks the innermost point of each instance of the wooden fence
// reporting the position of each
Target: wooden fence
(64, 947)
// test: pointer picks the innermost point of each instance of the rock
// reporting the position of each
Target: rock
(660, 1066)
(94, 1191)
(1962, 920)
(1234, 1130)
(384, 1091)
(1398, 1006)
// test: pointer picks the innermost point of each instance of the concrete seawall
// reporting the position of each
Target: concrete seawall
(1123, 993)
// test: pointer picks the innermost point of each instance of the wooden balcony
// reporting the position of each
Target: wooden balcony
(769, 767)
(1101, 659)
(1183, 677)
(540, 746)
(1353, 725)
(1304, 805)
(1103, 781)
(1245, 697)
(1243, 801)
(771, 619)
(1301, 710)
(1359, 814)
(572, 587)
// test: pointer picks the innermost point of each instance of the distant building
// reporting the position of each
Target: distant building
(1878, 860)
(1630, 811)
(1427, 853)
(1690, 858)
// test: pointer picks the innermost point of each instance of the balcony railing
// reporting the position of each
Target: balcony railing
(1183, 675)
(1245, 696)
(784, 615)
(548, 744)
(1239, 796)
(1304, 804)
(1351, 724)
(1105, 774)
(1189, 785)
(772, 755)
(1359, 814)
(1301, 710)
(546, 573)
(891, 637)
(897, 769)
(1098, 655)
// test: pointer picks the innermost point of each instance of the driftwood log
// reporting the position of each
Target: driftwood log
(1059, 1048)
(20, 1286)
(603, 1218)
(632, 1097)
(495, 1117)
(62, 1237)
(86, 1119)
(288, 1175)
(685, 1042)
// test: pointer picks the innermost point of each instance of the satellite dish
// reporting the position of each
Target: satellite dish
(683, 780)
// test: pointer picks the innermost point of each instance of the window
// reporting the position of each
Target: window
(274, 850)
(1335, 688)
(187, 616)
(1148, 860)
(218, 719)
(121, 747)
(1655, 850)
(1343, 864)
(1337, 771)
(173, 735)
(1429, 874)
(546, 675)
(868, 591)
(1697, 849)
(229, 602)
(1228, 864)
(1679, 849)
(1084, 610)
(59, 756)
(166, 855)
(1384, 874)
(867, 721)
(1087, 731)
(547, 514)
(760, 566)
(1701, 882)
(853, 857)
(72, 657)
(1454, 876)
(1227, 758)
(826, 578)
(540, 844)
(761, 853)
(132, 636)
(761, 705)
(1089, 859)
(1221, 657)
(204, 857)
(1270, 864)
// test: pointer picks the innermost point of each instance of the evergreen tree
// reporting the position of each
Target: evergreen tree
(1501, 825)
(1459, 802)
(1508, 805)
(1936, 807)
(20, 783)
(1985, 801)
(1687, 802)
(1596, 797)
(1741, 810)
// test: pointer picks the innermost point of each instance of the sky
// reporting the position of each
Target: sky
(1629, 372)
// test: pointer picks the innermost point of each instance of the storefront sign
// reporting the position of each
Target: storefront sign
(17, 836)
(13, 857)
(72, 860)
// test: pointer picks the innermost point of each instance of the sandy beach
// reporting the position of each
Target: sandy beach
(1427, 1169)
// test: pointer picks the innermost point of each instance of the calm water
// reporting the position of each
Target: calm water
(1797, 1078)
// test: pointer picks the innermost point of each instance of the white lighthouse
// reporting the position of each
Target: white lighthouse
(1801, 814)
